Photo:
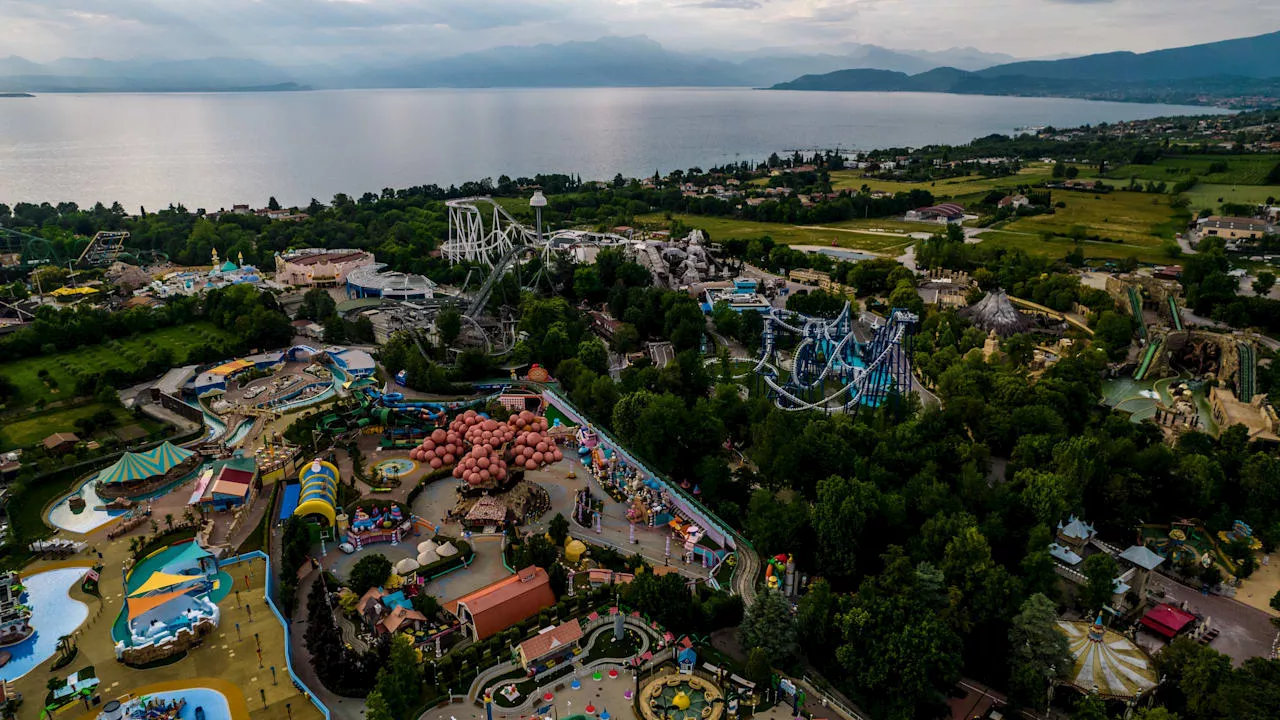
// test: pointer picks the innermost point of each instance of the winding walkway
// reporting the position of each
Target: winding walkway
(600, 627)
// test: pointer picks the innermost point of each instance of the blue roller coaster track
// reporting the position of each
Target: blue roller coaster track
(830, 370)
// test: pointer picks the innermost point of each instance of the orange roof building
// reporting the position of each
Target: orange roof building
(496, 607)
(559, 640)
(397, 618)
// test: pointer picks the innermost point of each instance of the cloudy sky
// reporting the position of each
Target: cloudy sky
(319, 31)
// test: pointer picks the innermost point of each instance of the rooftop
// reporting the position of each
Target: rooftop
(551, 640)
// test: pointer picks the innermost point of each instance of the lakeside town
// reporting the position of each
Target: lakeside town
(968, 431)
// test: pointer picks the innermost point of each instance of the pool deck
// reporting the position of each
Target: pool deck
(222, 659)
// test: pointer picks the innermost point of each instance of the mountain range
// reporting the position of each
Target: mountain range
(611, 61)
(1225, 72)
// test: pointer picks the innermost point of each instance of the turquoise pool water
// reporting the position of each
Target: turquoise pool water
(214, 703)
(241, 430)
(142, 571)
(396, 466)
(53, 614)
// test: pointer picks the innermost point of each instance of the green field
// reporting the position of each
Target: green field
(1057, 247)
(125, 354)
(962, 188)
(31, 429)
(1139, 219)
(873, 235)
(1210, 197)
(1241, 169)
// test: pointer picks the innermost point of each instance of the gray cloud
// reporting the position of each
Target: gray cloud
(728, 4)
(311, 31)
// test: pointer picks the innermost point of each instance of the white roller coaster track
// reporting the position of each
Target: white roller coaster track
(482, 231)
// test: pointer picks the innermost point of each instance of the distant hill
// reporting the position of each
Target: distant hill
(1250, 57)
(610, 61)
(1214, 73)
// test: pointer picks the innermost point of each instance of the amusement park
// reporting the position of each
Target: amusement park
(632, 450)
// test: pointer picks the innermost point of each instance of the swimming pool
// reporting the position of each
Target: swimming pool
(93, 517)
(53, 614)
(90, 518)
(214, 703)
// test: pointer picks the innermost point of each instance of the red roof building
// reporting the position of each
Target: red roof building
(496, 607)
(1167, 620)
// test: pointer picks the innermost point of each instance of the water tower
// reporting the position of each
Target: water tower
(537, 202)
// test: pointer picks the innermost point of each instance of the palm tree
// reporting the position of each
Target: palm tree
(168, 521)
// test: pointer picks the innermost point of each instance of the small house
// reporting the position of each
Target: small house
(60, 443)
(550, 646)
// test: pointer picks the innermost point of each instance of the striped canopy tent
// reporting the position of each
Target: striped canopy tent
(162, 581)
(157, 461)
(1106, 662)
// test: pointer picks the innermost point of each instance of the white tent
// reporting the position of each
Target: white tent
(427, 558)
(427, 546)
(406, 566)
(447, 550)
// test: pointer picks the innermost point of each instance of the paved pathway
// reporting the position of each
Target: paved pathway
(1244, 632)
(603, 628)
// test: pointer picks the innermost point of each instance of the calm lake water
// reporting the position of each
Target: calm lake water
(214, 150)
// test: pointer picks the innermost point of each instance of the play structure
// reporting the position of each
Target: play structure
(318, 493)
(373, 525)
(1187, 541)
(780, 573)
(481, 449)
(171, 602)
(15, 617)
(830, 370)
(1242, 532)
(678, 696)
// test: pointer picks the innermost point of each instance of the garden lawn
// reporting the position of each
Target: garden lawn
(126, 354)
(31, 429)
(1140, 219)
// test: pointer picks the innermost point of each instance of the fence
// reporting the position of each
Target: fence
(719, 530)
(271, 603)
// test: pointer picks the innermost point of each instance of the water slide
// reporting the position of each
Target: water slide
(1135, 304)
(1153, 350)
(1245, 380)
(1175, 313)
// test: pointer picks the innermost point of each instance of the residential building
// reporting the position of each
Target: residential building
(60, 442)
(1233, 228)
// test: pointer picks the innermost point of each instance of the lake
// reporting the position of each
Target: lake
(215, 150)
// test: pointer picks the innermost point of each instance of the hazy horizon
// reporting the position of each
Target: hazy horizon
(320, 32)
